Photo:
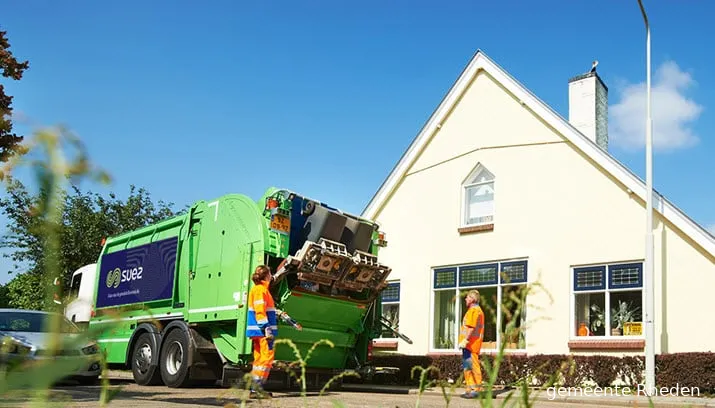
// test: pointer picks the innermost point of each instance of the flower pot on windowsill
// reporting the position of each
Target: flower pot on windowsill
(616, 332)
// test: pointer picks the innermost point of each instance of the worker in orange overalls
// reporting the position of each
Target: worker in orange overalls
(262, 328)
(470, 341)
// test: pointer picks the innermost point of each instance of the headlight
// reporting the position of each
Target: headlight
(91, 349)
(13, 347)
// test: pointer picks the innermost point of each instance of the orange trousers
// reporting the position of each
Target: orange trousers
(472, 370)
(263, 356)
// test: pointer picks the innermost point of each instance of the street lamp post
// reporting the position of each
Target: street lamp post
(648, 275)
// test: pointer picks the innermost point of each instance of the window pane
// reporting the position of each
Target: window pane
(626, 314)
(488, 302)
(512, 272)
(74, 288)
(515, 336)
(391, 293)
(590, 278)
(445, 278)
(478, 275)
(590, 314)
(391, 313)
(482, 175)
(479, 203)
(444, 336)
(626, 276)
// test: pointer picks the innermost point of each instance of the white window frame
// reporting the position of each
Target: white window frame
(608, 290)
(499, 284)
(466, 184)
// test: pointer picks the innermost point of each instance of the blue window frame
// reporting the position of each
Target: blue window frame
(589, 278)
(391, 293)
(620, 276)
(513, 272)
(607, 299)
(390, 298)
(445, 278)
(625, 275)
(493, 279)
(478, 275)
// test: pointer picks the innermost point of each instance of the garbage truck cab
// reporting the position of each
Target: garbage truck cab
(81, 295)
(173, 295)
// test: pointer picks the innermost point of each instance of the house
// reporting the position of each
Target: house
(497, 192)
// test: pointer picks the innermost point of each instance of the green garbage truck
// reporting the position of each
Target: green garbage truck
(173, 294)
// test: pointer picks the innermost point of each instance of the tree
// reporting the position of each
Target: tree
(86, 218)
(27, 291)
(4, 300)
(11, 68)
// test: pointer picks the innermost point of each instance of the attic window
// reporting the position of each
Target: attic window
(478, 198)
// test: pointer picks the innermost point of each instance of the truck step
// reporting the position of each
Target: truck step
(233, 376)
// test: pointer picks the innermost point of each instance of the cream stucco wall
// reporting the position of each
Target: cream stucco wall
(553, 206)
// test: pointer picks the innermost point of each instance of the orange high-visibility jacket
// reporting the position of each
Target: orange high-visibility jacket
(473, 319)
(261, 311)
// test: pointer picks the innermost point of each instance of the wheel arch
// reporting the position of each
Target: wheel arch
(184, 327)
(156, 340)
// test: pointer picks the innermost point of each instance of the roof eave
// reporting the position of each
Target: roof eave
(481, 61)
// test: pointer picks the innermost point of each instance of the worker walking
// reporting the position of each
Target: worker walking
(262, 328)
(470, 341)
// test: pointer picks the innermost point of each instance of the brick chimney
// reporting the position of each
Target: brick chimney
(588, 106)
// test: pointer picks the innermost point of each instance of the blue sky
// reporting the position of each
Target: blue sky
(195, 101)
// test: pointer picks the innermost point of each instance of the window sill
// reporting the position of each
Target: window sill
(476, 228)
(487, 352)
(384, 344)
(607, 344)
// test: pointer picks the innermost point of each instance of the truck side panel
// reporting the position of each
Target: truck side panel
(137, 273)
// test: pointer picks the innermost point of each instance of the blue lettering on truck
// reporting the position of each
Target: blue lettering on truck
(140, 274)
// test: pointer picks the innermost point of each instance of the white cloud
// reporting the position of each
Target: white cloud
(673, 112)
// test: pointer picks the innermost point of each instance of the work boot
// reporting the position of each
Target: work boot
(470, 395)
(260, 394)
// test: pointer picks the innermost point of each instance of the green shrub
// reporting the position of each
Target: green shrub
(686, 370)
(543, 370)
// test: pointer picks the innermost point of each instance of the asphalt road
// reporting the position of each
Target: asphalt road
(130, 395)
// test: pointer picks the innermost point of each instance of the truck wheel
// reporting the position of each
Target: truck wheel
(175, 362)
(144, 373)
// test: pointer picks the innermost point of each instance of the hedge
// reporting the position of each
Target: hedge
(679, 369)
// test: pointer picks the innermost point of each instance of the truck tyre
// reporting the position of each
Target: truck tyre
(142, 352)
(175, 364)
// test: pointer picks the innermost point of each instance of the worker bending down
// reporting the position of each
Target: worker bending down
(470, 341)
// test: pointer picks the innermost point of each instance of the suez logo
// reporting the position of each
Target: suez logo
(117, 276)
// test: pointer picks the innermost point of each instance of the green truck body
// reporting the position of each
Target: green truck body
(172, 296)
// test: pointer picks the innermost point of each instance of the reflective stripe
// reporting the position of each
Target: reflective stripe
(259, 295)
(126, 340)
(254, 327)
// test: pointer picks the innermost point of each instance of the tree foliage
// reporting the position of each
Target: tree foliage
(27, 291)
(87, 217)
(4, 300)
(10, 67)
